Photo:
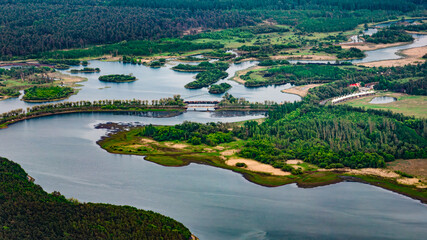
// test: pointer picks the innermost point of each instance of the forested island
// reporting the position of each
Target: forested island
(219, 88)
(117, 78)
(52, 93)
(86, 70)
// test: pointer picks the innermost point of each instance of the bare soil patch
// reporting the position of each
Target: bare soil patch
(365, 46)
(302, 90)
(256, 166)
(415, 167)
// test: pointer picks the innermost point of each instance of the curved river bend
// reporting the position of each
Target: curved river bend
(61, 153)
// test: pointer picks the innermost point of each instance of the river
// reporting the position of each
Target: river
(60, 152)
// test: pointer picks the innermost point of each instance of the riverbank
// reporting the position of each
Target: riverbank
(366, 46)
(410, 56)
(225, 156)
(31, 115)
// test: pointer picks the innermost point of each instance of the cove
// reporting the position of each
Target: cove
(60, 152)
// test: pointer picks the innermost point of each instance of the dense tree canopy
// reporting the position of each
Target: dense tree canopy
(28, 212)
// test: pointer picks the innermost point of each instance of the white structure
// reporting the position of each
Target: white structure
(352, 96)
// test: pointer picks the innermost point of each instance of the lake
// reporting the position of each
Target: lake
(60, 152)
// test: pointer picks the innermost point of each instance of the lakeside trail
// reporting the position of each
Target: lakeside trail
(410, 56)
(301, 90)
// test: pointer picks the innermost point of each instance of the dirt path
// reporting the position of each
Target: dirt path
(302, 90)
(411, 56)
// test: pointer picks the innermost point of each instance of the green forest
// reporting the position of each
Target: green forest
(329, 137)
(28, 212)
(33, 27)
(47, 93)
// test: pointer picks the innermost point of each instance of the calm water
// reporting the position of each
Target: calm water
(61, 153)
(382, 100)
(156, 83)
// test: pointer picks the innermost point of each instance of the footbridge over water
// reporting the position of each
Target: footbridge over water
(202, 105)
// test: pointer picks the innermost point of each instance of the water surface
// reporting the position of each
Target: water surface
(61, 153)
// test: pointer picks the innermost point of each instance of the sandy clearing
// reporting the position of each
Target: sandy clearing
(147, 140)
(411, 181)
(302, 90)
(375, 171)
(65, 78)
(176, 145)
(371, 46)
(257, 166)
(411, 56)
(304, 57)
(294, 161)
(229, 152)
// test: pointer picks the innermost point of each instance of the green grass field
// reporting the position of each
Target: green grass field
(406, 104)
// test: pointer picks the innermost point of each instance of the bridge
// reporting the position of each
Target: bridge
(201, 102)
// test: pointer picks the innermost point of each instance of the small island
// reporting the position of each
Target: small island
(86, 70)
(43, 94)
(118, 78)
(219, 88)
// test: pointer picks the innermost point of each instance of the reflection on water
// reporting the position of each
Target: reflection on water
(382, 100)
(156, 83)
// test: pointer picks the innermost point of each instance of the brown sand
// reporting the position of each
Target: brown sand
(411, 56)
(302, 90)
(371, 46)
(294, 161)
(229, 152)
(257, 166)
(65, 78)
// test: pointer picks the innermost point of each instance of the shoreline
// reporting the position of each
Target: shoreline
(301, 90)
(178, 154)
(410, 56)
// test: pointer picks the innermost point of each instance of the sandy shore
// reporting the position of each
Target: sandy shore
(302, 90)
(304, 57)
(371, 46)
(411, 56)
(384, 173)
(256, 166)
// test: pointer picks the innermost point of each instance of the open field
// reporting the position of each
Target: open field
(415, 167)
(409, 105)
